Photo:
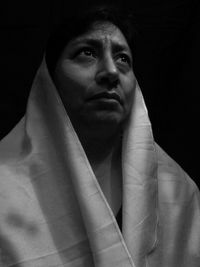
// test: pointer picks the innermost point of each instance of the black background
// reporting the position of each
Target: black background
(167, 66)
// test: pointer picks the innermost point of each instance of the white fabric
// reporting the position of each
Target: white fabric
(53, 212)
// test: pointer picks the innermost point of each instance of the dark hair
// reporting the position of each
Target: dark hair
(80, 22)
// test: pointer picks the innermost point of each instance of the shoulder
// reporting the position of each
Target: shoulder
(178, 198)
(174, 183)
(179, 212)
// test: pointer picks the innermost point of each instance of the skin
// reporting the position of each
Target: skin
(98, 61)
(85, 69)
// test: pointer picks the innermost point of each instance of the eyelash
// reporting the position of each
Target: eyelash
(85, 50)
(94, 54)
(126, 57)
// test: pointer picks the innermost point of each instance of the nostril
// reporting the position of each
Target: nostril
(113, 76)
(114, 83)
(108, 82)
(107, 78)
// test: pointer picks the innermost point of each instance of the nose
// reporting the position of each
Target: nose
(107, 73)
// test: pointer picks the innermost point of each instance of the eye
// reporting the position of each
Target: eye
(124, 58)
(87, 52)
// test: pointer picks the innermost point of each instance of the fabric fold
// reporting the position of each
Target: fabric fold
(52, 209)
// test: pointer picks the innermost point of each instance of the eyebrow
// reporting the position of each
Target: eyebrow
(117, 47)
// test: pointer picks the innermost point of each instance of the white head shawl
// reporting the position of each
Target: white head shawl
(52, 209)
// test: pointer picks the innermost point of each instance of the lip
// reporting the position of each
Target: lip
(106, 95)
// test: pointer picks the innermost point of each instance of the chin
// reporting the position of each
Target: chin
(104, 120)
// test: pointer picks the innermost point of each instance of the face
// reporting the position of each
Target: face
(94, 76)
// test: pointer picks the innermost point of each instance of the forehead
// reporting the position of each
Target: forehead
(104, 32)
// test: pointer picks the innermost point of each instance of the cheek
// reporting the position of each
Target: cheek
(72, 83)
(77, 79)
(71, 76)
(129, 89)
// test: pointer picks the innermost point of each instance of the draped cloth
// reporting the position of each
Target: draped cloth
(54, 213)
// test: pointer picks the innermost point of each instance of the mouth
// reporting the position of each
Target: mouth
(106, 96)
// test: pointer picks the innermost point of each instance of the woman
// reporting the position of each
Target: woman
(83, 152)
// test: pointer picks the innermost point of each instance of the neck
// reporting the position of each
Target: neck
(104, 155)
(100, 147)
(103, 151)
